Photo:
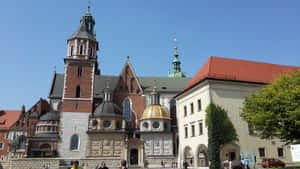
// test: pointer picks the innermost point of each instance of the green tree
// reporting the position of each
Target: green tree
(220, 132)
(274, 111)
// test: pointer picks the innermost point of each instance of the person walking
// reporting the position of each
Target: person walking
(185, 165)
(246, 163)
(75, 165)
(123, 164)
(103, 165)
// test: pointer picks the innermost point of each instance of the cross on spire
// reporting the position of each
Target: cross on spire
(89, 5)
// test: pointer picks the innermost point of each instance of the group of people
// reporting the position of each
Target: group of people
(75, 165)
(236, 164)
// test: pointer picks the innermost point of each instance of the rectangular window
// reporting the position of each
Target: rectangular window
(192, 108)
(193, 130)
(199, 105)
(7, 134)
(280, 152)
(1, 146)
(261, 152)
(200, 128)
(186, 132)
(185, 111)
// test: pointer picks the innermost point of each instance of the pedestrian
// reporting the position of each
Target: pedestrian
(226, 166)
(246, 163)
(123, 164)
(75, 165)
(185, 164)
(103, 165)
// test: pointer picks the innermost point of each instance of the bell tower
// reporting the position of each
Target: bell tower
(80, 67)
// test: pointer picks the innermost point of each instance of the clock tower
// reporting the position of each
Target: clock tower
(77, 102)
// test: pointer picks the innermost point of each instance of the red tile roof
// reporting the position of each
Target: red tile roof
(8, 118)
(238, 70)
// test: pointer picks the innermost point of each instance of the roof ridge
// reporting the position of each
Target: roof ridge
(243, 60)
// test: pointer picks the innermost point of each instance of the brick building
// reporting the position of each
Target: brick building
(78, 93)
(7, 120)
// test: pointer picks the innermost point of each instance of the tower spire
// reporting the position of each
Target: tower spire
(89, 5)
(176, 72)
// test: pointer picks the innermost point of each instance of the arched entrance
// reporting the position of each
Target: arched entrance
(134, 157)
(188, 155)
(202, 160)
(230, 152)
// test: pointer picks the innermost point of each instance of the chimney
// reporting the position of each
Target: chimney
(23, 109)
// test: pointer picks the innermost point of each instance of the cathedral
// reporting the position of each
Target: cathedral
(91, 115)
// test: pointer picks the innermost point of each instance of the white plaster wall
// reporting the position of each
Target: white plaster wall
(230, 95)
(73, 123)
(192, 96)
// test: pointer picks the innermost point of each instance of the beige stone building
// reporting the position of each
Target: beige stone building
(225, 82)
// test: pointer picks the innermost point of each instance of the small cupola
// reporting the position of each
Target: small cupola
(155, 110)
(154, 95)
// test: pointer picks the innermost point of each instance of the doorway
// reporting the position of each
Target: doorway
(232, 156)
(134, 157)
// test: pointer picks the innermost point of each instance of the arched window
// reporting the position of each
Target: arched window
(81, 50)
(71, 51)
(127, 110)
(91, 51)
(74, 142)
(77, 92)
(79, 71)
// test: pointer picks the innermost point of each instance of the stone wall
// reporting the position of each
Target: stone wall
(71, 124)
(54, 163)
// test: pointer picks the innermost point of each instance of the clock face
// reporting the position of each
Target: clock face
(155, 124)
(106, 124)
(145, 125)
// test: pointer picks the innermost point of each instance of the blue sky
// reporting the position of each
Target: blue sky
(34, 33)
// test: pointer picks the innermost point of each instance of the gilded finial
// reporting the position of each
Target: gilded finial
(89, 5)
(154, 86)
(175, 47)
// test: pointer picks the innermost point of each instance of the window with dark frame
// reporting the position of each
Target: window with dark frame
(192, 108)
(74, 142)
(193, 130)
(185, 111)
(280, 152)
(200, 128)
(81, 50)
(71, 52)
(91, 51)
(199, 105)
(1, 146)
(261, 152)
(77, 92)
(186, 131)
(79, 71)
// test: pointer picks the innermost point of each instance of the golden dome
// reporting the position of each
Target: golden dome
(155, 112)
